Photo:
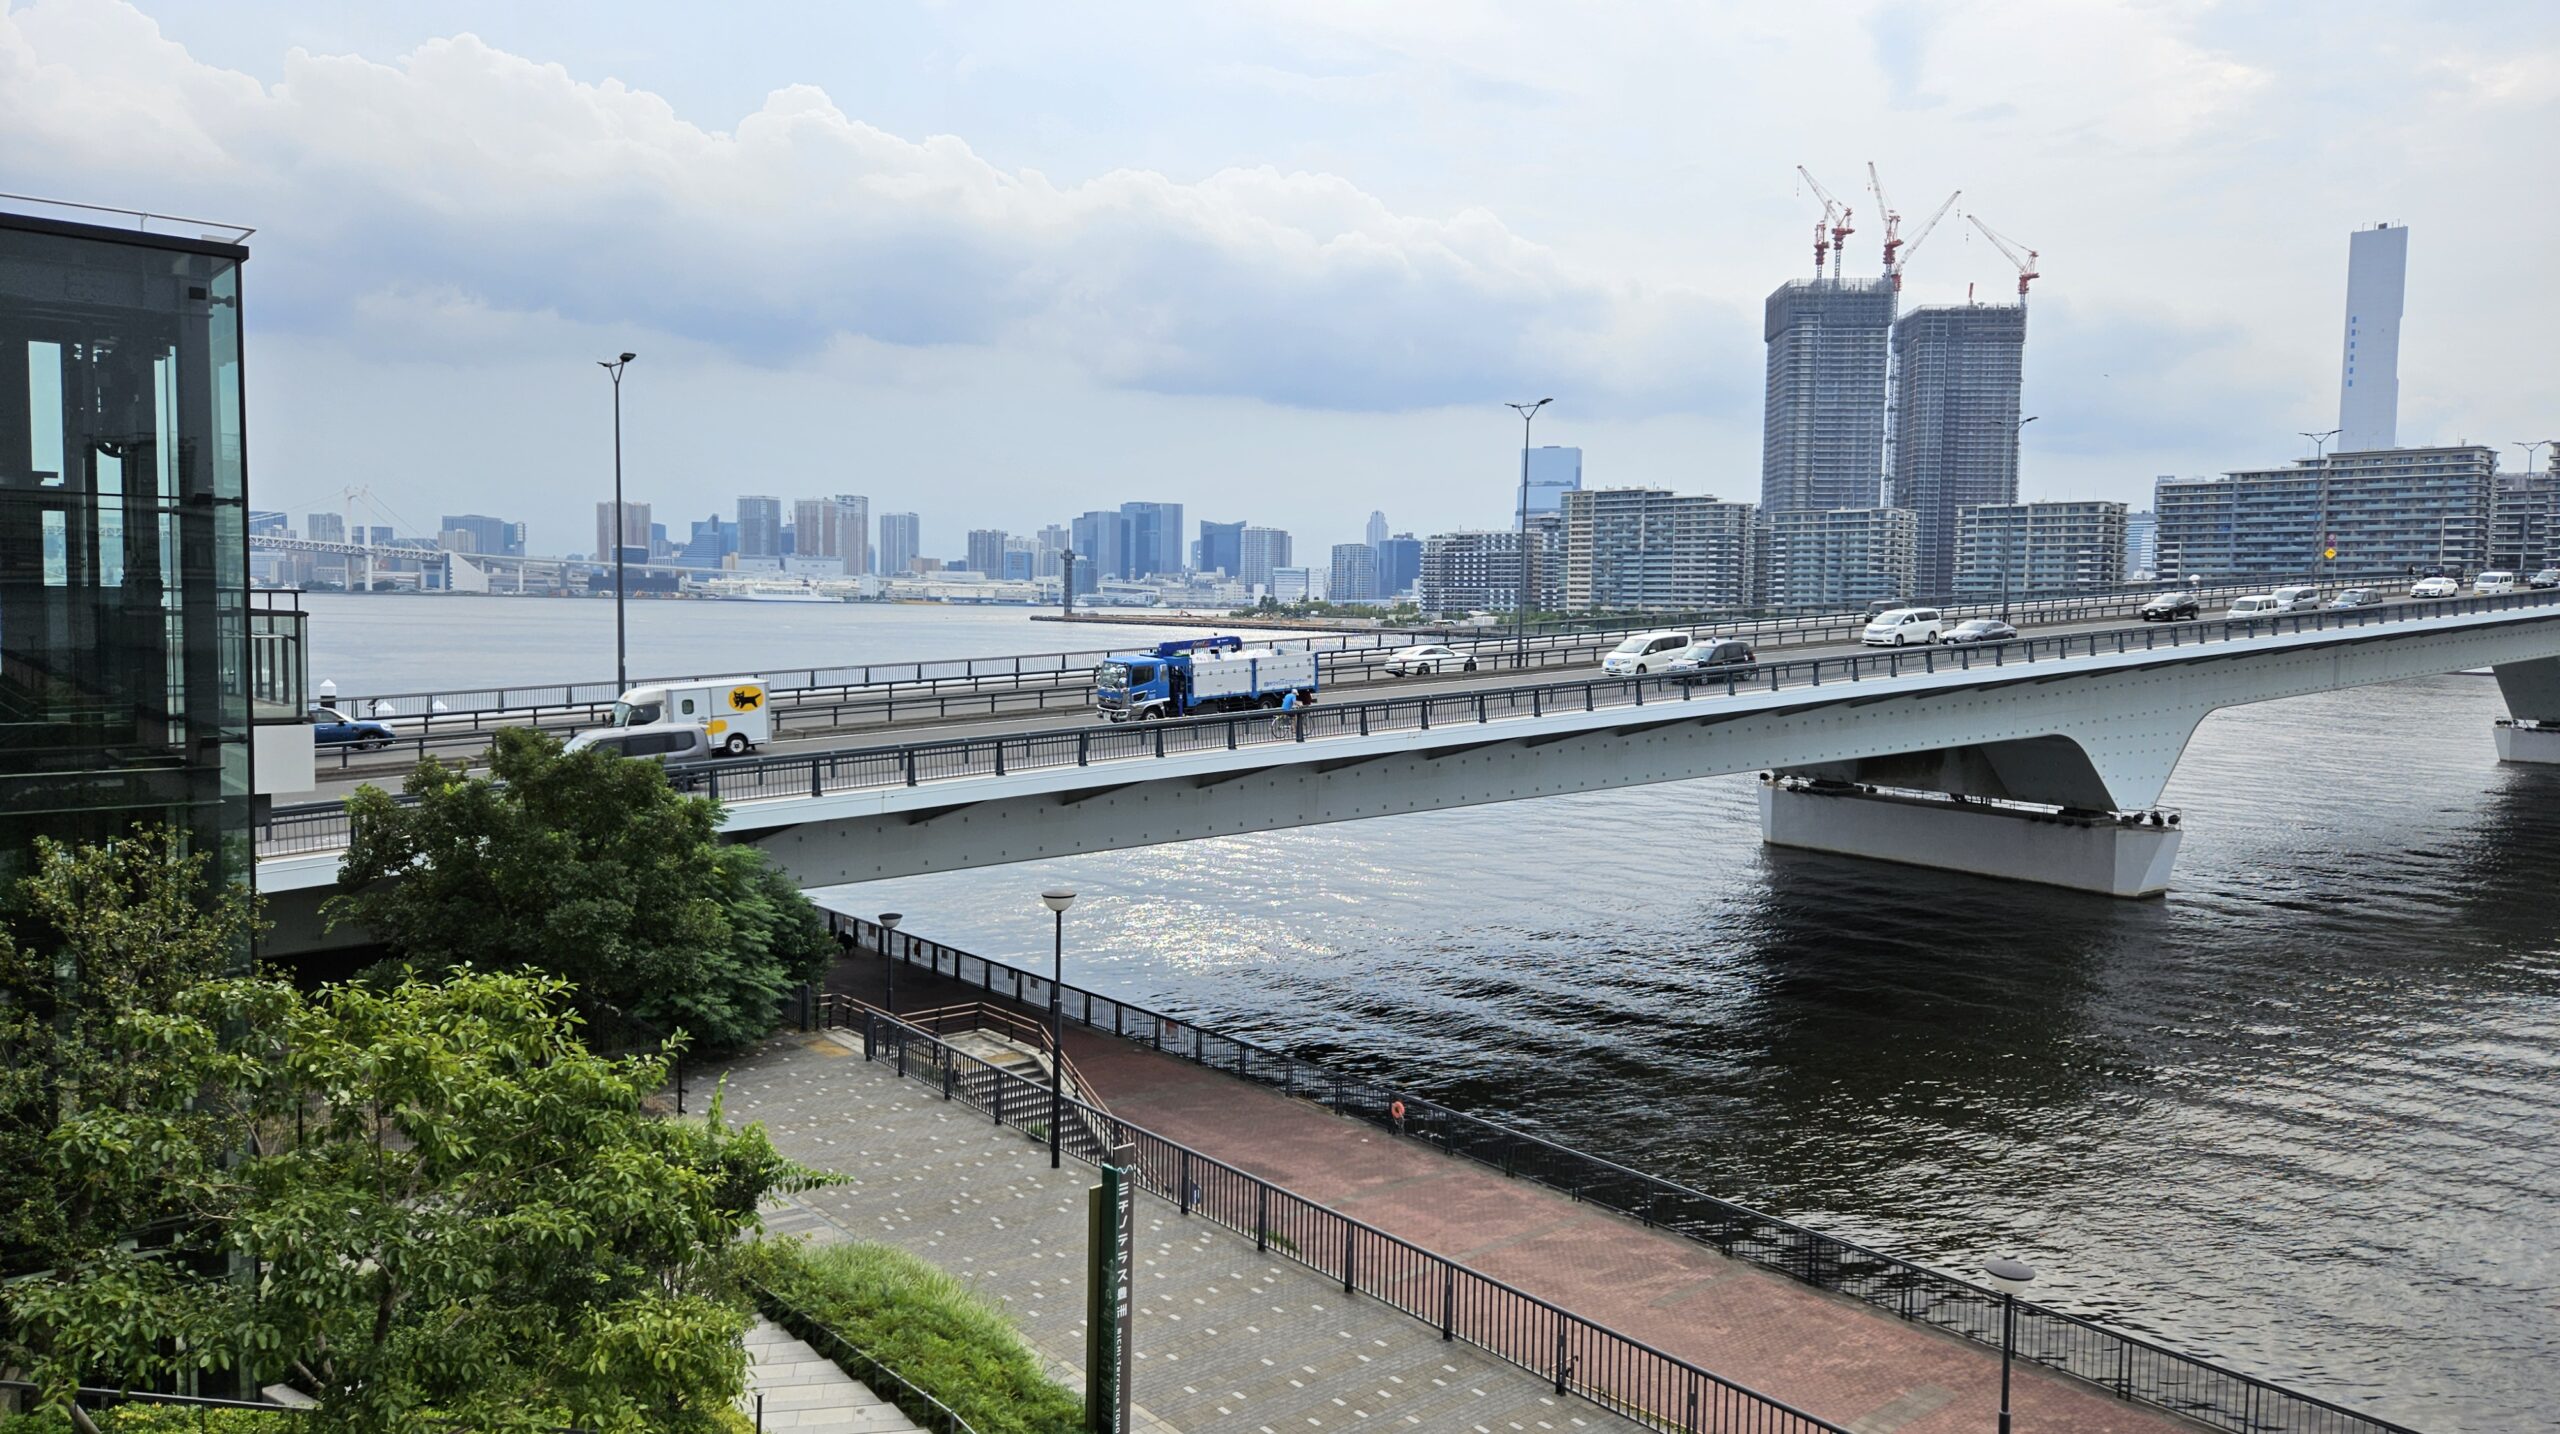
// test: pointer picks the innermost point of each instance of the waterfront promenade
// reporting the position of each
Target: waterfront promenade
(1826, 1354)
(1226, 1339)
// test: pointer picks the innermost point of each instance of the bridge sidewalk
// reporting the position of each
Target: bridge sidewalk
(1826, 1354)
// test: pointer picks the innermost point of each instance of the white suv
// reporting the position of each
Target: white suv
(1903, 625)
(1643, 652)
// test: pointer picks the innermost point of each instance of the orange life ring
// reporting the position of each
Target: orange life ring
(1396, 1110)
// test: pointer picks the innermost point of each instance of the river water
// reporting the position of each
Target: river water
(2301, 1116)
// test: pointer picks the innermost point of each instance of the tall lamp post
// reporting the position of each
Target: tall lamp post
(2524, 539)
(1520, 608)
(1057, 899)
(2010, 1278)
(2008, 550)
(621, 663)
(888, 955)
(2320, 456)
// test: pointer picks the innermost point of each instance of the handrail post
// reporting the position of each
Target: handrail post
(1261, 1216)
(1350, 1229)
(1183, 1170)
(1448, 1300)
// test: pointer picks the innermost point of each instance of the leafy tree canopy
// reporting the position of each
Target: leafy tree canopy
(587, 865)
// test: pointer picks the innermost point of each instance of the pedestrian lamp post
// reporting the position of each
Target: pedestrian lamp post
(621, 662)
(1057, 899)
(1520, 606)
(2010, 1278)
(888, 953)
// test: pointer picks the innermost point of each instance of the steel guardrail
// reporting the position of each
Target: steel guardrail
(315, 827)
(1575, 1355)
(2130, 1366)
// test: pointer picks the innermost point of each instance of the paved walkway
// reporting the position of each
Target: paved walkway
(1826, 1354)
(1227, 1339)
(803, 1389)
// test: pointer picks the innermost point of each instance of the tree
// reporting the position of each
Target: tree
(426, 1197)
(587, 865)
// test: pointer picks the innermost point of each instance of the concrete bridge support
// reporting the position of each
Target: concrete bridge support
(2109, 853)
(2531, 732)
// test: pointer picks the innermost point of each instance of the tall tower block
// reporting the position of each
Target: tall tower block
(2369, 370)
(1822, 442)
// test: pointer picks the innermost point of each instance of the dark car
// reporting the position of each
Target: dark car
(1712, 659)
(333, 728)
(2169, 607)
(1881, 606)
(2547, 578)
(1980, 629)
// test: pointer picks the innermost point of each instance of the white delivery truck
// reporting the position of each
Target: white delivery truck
(736, 713)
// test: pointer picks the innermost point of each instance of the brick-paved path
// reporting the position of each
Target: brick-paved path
(803, 1390)
(1826, 1354)
(1227, 1339)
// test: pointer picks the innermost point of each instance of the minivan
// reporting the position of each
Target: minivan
(2494, 582)
(1643, 652)
(667, 741)
(2296, 599)
(2263, 605)
(1902, 625)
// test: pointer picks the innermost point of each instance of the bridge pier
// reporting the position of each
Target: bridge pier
(2532, 690)
(2110, 853)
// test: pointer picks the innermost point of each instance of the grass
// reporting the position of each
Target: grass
(936, 1332)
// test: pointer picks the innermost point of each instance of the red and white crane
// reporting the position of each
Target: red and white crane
(2009, 248)
(1835, 215)
(1897, 250)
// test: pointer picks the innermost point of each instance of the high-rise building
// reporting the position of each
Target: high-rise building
(1375, 534)
(1839, 557)
(1650, 548)
(759, 526)
(814, 528)
(1296, 585)
(1221, 548)
(125, 619)
(490, 535)
(1399, 563)
(1355, 573)
(1553, 472)
(1053, 541)
(2524, 522)
(2142, 543)
(712, 540)
(2038, 549)
(901, 543)
(1102, 540)
(327, 527)
(635, 532)
(1154, 539)
(1479, 570)
(851, 515)
(1258, 551)
(1021, 560)
(1957, 371)
(2384, 513)
(269, 522)
(1822, 426)
(986, 551)
(2369, 369)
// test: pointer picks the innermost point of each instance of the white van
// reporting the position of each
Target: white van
(2296, 599)
(1643, 652)
(734, 712)
(2494, 582)
(2263, 605)
(1898, 627)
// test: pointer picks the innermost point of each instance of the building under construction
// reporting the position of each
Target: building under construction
(1957, 371)
(1822, 440)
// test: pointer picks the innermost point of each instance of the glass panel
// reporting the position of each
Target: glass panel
(44, 412)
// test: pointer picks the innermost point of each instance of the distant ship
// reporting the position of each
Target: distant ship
(784, 595)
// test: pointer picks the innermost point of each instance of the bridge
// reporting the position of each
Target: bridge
(2039, 760)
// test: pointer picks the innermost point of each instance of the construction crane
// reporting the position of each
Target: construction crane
(1898, 251)
(1835, 215)
(1912, 245)
(2026, 267)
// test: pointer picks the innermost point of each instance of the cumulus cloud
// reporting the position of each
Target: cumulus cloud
(496, 183)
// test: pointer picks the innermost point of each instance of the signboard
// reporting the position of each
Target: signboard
(745, 699)
(1111, 1227)
(2330, 553)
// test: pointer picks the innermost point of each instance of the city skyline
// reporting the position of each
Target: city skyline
(2165, 343)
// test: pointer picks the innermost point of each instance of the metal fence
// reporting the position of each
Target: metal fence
(1576, 1356)
(305, 828)
(2125, 1365)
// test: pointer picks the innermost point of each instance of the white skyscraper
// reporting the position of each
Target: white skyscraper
(2369, 376)
(1553, 472)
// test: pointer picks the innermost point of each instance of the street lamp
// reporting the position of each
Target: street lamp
(621, 663)
(1057, 899)
(2320, 455)
(888, 942)
(2010, 1278)
(1520, 608)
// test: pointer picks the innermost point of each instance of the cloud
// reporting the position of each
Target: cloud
(505, 185)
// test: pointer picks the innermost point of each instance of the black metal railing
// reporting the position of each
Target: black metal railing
(930, 1414)
(2126, 1365)
(1576, 1356)
(290, 830)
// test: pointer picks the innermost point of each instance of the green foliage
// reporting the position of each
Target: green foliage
(589, 866)
(424, 1197)
(174, 1418)
(929, 1327)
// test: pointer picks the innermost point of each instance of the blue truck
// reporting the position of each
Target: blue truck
(1201, 676)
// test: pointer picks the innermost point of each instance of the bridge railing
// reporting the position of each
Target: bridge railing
(2127, 1365)
(946, 687)
(918, 763)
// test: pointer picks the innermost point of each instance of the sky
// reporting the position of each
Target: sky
(1000, 263)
